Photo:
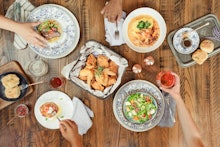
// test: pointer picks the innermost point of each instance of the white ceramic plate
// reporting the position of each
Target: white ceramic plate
(178, 37)
(62, 100)
(162, 25)
(69, 24)
(134, 87)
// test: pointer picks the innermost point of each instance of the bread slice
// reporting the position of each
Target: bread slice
(207, 46)
(199, 56)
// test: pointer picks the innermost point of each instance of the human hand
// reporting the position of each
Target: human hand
(175, 90)
(69, 131)
(26, 31)
(113, 10)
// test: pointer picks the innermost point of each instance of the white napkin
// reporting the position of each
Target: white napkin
(19, 11)
(168, 119)
(82, 116)
(110, 29)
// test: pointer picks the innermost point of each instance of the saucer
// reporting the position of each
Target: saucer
(178, 39)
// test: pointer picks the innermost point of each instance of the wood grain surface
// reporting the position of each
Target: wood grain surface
(200, 84)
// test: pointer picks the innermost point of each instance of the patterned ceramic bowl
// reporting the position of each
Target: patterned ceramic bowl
(188, 43)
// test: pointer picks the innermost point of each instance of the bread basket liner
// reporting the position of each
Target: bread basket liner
(71, 71)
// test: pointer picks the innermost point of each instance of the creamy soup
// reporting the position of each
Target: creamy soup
(143, 31)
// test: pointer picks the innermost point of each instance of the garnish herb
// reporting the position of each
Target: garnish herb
(143, 25)
(99, 70)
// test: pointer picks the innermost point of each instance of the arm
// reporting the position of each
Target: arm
(190, 131)
(113, 10)
(25, 30)
(69, 131)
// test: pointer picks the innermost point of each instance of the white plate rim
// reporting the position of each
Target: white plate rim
(54, 96)
(161, 22)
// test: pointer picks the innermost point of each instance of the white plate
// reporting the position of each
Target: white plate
(69, 24)
(62, 100)
(178, 37)
(133, 87)
(162, 25)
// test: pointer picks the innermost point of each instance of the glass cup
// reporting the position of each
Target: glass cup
(57, 82)
(165, 79)
(38, 68)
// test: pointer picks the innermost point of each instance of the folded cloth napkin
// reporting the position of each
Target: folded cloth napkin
(168, 118)
(110, 29)
(82, 116)
(19, 11)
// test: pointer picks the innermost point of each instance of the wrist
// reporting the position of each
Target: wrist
(176, 96)
(16, 28)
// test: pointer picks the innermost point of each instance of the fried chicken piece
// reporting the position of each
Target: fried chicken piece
(107, 71)
(111, 80)
(101, 79)
(102, 61)
(91, 62)
(97, 86)
(88, 74)
(113, 67)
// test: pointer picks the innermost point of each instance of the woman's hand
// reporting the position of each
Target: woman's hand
(113, 10)
(26, 31)
(69, 131)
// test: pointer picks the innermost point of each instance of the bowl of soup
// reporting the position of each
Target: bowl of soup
(144, 30)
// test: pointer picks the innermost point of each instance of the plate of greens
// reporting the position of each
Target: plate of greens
(138, 105)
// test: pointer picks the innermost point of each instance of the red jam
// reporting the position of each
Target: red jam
(21, 110)
(166, 79)
(56, 82)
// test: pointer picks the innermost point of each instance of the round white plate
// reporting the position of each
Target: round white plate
(69, 24)
(162, 25)
(178, 37)
(133, 87)
(62, 100)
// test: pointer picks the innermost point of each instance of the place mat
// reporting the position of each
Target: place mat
(13, 66)
(185, 60)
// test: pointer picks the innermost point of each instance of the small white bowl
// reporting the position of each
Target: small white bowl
(154, 14)
(178, 41)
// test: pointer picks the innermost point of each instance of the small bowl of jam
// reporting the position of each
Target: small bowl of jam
(21, 110)
(57, 82)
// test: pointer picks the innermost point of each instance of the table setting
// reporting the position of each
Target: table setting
(73, 70)
(105, 80)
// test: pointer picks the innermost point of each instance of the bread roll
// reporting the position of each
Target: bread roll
(12, 92)
(10, 81)
(207, 46)
(199, 56)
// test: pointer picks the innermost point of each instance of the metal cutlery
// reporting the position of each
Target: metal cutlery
(116, 31)
(24, 86)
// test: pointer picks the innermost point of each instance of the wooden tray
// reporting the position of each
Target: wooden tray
(13, 66)
(185, 60)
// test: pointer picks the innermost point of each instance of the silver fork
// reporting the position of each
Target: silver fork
(24, 86)
(116, 31)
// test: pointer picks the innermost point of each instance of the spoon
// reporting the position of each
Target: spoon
(24, 86)
(185, 35)
(13, 118)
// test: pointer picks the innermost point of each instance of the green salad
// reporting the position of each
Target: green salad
(140, 107)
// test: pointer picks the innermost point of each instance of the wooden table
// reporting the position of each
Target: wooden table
(200, 84)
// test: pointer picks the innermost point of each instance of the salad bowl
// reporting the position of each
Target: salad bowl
(126, 94)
